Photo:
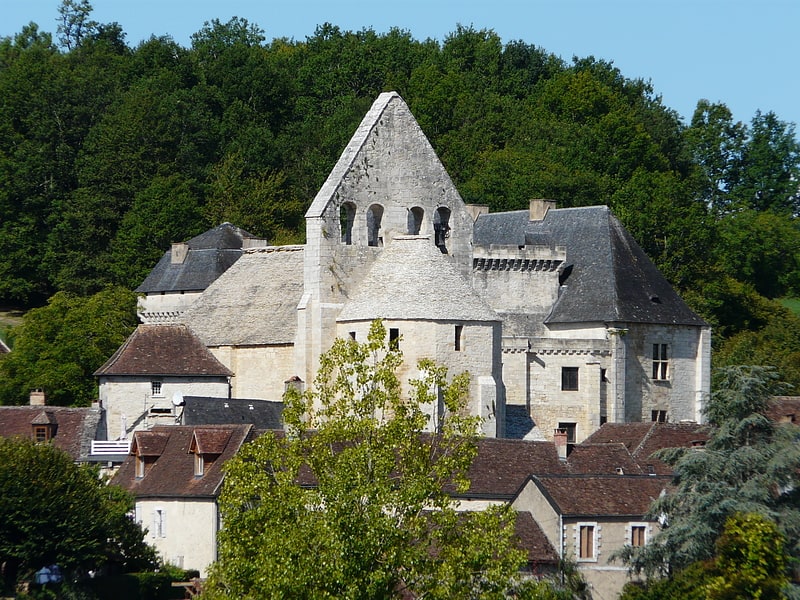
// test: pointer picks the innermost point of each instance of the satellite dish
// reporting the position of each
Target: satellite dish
(177, 399)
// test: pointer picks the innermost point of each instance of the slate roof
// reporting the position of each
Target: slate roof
(252, 303)
(643, 439)
(75, 427)
(262, 414)
(612, 280)
(170, 472)
(210, 254)
(601, 495)
(502, 466)
(408, 281)
(163, 350)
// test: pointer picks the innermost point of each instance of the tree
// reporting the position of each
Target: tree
(749, 465)
(59, 346)
(74, 23)
(352, 501)
(53, 511)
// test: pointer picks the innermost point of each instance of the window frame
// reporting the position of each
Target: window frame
(570, 379)
(156, 388)
(660, 362)
(458, 342)
(634, 529)
(590, 545)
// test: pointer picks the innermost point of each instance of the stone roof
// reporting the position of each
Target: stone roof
(210, 254)
(75, 428)
(611, 278)
(413, 280)
(262, 414)
(163, 350)
(595, 496)
(252, 303)
(170, 471)
(643, 439)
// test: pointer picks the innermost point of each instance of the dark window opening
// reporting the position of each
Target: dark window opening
(155, 388)
(658, 416)
(571, 430)
(347, 216)
(374, 217)
(441, 228)
(415, 216)
(353, 335)
(459, 343)
(569, 379)
(603, 419)
(394, 338)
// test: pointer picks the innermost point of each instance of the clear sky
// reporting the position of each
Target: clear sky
(743, 53)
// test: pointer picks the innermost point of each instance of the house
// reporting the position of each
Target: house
(587, 518)
(69, 429)
(561, 319)
(188, 268)
(175, 475)
(144, 381)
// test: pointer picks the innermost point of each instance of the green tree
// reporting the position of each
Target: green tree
(59, 346)
(749, 465)
(74, 23)
(351, 502)
(53, 511)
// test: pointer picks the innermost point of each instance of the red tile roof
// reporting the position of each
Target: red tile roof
(75, 427)
(602, 459)
(533, 539)
(602, 495)
(171, 474)
(163, 350)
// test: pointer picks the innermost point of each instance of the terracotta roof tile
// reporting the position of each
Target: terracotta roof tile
(163, 350)
(602, 495)
(533, 539)
(171, 474)
(602, 459)
(75, 427)
(209, 441)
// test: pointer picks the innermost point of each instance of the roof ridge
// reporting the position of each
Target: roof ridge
(645, 439)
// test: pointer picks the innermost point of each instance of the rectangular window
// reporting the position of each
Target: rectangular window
(155, 388)
(394, 338)
(199, 464)
(569, 379)
(586, 549)
(160, 523)
(658, 416)
(638, 535)
(139, 467)
(458, 339)
(41, 433)
(660, 361)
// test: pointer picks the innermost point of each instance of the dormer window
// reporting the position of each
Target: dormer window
(139, 467)
(206, 446)
(199, 465)
(43, 427)
(42, 433)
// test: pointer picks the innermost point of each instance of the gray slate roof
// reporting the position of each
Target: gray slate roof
(413, 280)
(252, 303)
(612, 279)
(262, 414)
(210, 254)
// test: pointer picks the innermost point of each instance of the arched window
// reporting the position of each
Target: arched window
(347, 215)
(374, 216)
(415, 216)
(441, 228)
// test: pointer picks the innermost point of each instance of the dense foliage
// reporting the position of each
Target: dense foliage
(110, 152)
(749, 465)
(353, 502)
(53, 511)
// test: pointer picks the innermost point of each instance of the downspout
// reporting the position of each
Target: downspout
(561, 543)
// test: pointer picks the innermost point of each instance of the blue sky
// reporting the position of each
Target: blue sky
(743, 53)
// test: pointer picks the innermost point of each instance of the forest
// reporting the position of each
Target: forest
(108, 153)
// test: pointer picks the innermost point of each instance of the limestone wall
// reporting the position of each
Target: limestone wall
(166, 307)
(260, 371)
(184, 532)
(130, 401)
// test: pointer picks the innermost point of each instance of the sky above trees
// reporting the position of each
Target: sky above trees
(739, 52)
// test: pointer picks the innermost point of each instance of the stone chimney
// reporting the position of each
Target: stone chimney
(294, 382)
(560, 438)
(38, 398)
(179, 252)
(539, 208)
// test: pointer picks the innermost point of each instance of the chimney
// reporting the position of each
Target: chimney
(179, 252)
(294, 382)
(560, 438)
(476, 210)
(539, 208)
(38, 398)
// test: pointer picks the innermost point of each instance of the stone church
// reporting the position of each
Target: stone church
(558, 315)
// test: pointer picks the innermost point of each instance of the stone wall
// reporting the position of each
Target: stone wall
(260, 371)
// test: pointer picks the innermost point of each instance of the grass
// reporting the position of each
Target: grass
(792, 304)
